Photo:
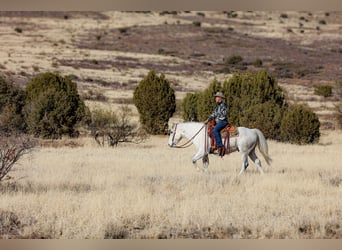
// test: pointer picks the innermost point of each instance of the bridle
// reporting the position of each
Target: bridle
(189, 142)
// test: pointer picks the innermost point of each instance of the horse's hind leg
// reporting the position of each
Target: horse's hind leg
(244, 163)
(256, 160)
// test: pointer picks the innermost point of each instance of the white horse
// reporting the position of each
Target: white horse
(245, 143)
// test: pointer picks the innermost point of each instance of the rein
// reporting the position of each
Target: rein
(189, 141)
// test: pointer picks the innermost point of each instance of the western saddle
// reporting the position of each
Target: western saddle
(226, 133)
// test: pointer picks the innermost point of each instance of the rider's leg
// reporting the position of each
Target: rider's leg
(216, 131)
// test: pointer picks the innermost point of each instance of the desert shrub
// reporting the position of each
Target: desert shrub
(300, 125)
(233, 60)
(323, 90)
(102, 120)
(12, 100)
(18, 30)
(266, 116)
(156, 102)
(338, 106)
(197, 23)
(11, 149)
(95, 95)
(257, 62)
(231, 14)
(255, 100)
(108, 127)
(189, 107)
(322, 22)
(247, 93)
(123, 30)
(53, 106)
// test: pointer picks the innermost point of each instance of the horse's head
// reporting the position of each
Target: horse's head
(175, 135)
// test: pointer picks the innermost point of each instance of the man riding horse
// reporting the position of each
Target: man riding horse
(221, 121)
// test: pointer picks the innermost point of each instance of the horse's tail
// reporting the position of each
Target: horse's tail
(263, 147)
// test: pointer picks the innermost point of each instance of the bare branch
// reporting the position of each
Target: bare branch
(11, 149)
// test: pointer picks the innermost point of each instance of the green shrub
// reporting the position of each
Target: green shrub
(255, 100)
(197, 23)
(322, 22)
(12, 101)
(300, 125)
(265, 116)
(53, 106)
(156, 102)
(338, 106)
(189, 107)
(233, 60)
(18, 30)
(245, 91)
(257, 62)
(323, 90)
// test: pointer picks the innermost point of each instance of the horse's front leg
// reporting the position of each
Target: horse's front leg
(196, 157)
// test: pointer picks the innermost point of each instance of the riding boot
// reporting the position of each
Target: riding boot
(211, 150)
(221, 151)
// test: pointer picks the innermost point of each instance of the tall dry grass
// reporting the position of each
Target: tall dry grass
(153, 191)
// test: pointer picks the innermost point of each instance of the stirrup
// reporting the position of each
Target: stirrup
(221, 151)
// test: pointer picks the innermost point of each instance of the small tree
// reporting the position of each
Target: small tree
(53, 106)
(12, 100)
(107, 126)
(300, 125)
(156, 102)
(11, 149)
(255, 100)
(189, 105)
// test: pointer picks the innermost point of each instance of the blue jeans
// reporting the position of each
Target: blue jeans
(218, 127)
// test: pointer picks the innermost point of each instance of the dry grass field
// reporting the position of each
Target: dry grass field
(75, 189)
(153, 191)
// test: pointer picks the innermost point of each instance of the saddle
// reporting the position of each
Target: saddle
(226, 133)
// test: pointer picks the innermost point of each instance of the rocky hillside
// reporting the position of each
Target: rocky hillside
(108, 53)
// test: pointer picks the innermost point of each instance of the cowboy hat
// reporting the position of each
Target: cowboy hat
(219, 94)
